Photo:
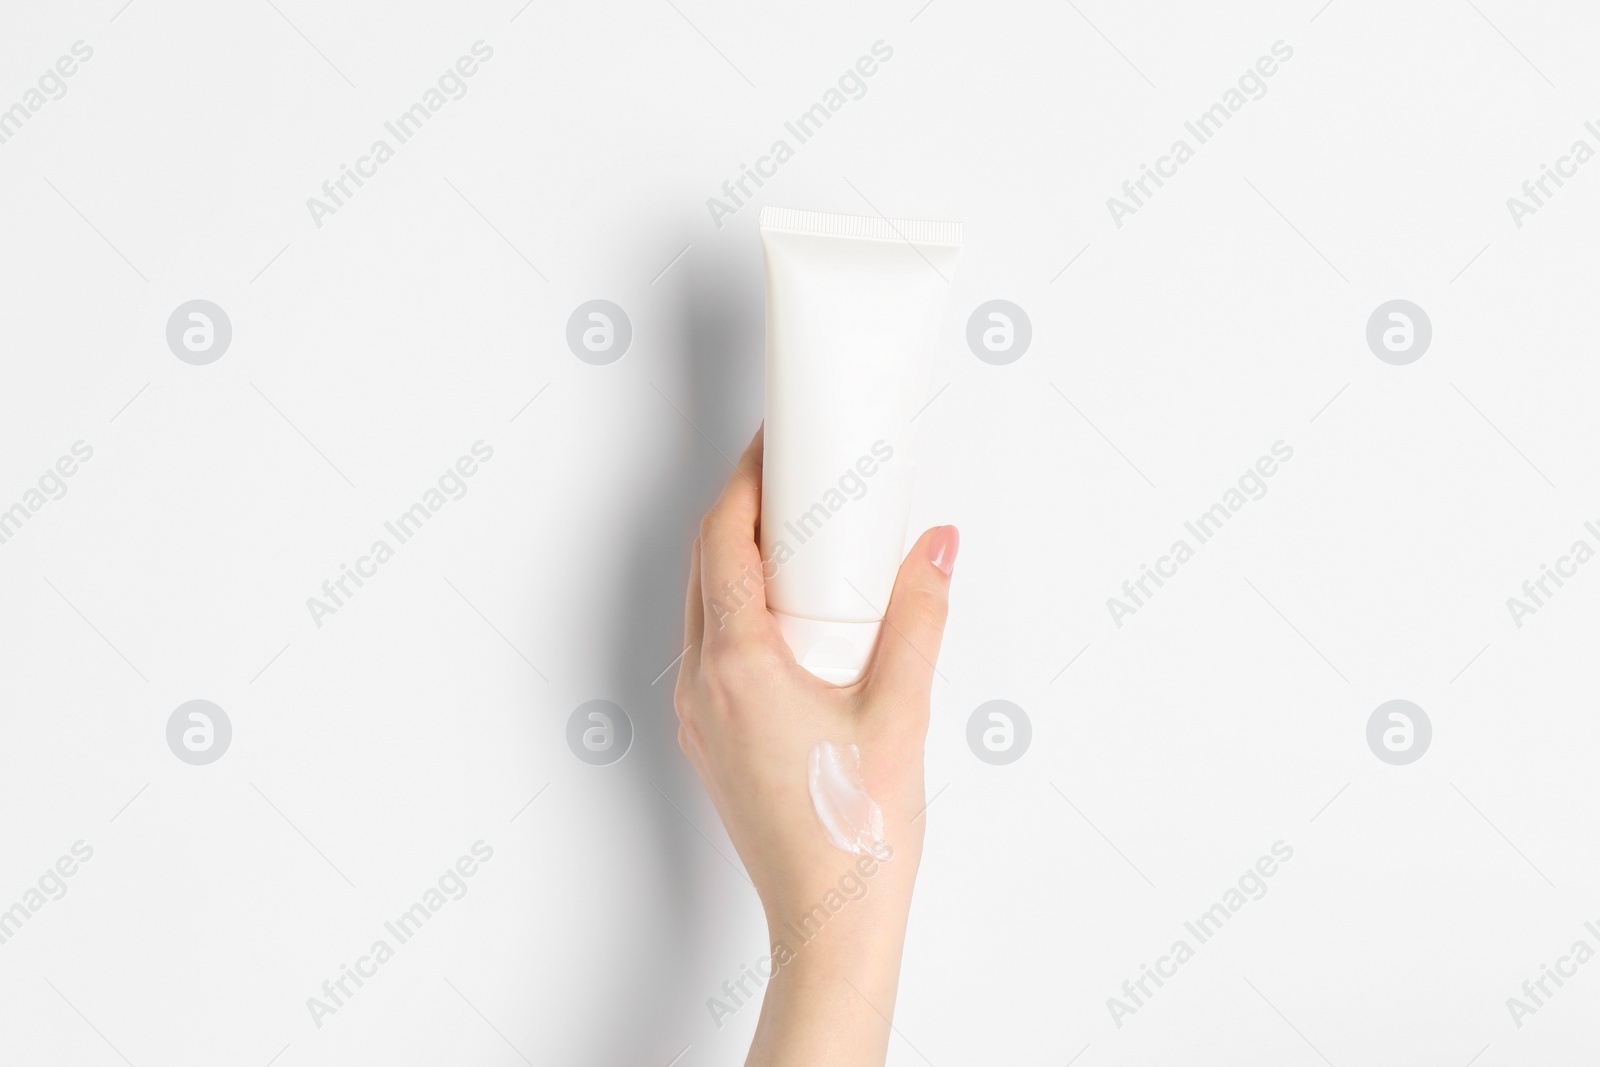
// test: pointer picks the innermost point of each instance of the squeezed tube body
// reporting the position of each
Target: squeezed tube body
(853, 310)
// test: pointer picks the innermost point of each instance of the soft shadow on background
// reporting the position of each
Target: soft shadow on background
(710, 368)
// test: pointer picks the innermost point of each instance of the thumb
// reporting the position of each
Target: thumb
(908, 647)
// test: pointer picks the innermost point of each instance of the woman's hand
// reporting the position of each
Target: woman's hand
(749, 718)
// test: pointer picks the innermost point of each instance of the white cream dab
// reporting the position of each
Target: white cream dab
(849, 816)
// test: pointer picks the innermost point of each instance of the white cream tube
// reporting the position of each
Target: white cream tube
(853, 309)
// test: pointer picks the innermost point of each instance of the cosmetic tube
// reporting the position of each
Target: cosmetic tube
(853, 310)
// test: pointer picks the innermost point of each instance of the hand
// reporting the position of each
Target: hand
(749, 716)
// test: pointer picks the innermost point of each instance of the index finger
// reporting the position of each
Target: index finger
(731, 583)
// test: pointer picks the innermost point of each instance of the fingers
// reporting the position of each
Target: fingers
(913, 627)
(694, 613)
(732, 590)
(693, 633)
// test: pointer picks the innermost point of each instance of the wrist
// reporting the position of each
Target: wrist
(835, 978)
(834, 907)
(840, 939)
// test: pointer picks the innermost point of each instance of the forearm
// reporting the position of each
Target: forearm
(832, 1001)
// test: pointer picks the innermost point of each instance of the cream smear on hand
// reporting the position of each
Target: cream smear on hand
(849, 816)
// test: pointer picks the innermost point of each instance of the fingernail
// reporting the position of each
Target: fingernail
(943, 548)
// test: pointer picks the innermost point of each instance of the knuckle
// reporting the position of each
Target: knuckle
(742, 666)
(684, 697)
(929, 607)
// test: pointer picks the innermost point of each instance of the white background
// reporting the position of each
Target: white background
(368, 354)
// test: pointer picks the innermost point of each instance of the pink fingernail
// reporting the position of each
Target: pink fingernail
(943, 548)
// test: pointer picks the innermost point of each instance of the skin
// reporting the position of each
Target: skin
(748, 717)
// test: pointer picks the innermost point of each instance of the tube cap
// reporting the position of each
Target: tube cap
(836, 652)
